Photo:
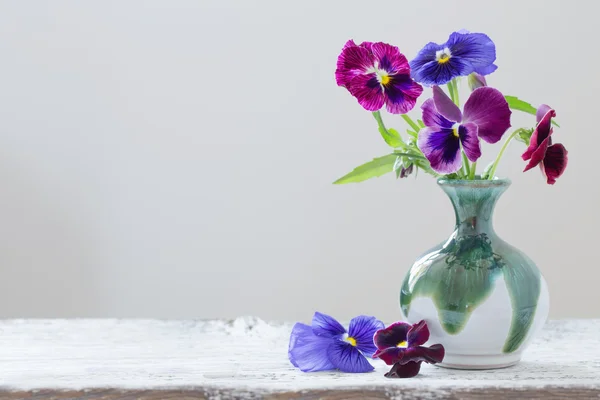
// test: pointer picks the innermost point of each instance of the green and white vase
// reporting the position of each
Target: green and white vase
(482, 298)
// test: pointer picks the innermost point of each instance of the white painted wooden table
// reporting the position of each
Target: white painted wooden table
(247, 359)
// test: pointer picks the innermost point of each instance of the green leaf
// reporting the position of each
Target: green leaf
(412, 134)
(391, 136)
(397, 168)
(517, 104)
(377, 167)
(421, 124)
(487, 170)
(524, 136)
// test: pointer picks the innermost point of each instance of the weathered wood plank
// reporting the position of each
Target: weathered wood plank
(551, 393)
(247, 359)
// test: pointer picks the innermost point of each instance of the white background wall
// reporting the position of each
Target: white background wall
(175, 158)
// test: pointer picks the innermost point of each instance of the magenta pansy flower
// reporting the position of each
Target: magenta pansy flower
(486, 115)
(377, 74)
(401, 345)
(326, 345)
(552, 158)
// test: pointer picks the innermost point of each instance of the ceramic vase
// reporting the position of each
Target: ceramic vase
(482, 298)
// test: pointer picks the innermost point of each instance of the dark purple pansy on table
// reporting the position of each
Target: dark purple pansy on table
(326, 345)
(552, 158)
(448, 130)
(377, 74)
(401, 345)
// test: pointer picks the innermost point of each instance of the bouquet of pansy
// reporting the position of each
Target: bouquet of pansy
(445, 141)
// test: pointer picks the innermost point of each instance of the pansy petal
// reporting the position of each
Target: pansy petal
(538, 154)
(555, 162)
(366, 45)
(325, 325)
(347, 358)
(432, 354)
(470, 141)
(362, 329)
(542, 130)
(488, 109)
(442, 149)
(391, 336)
(435, 73)
(542, 110)
(390, 59)
(308, 351)
(418, 334)
(486, 70)
(407, 370)
(401, 94)
(477, 48)
(445, 106)
(432, 118)
(352, 61)
(425, 56)
(367, 90)
(391, 355)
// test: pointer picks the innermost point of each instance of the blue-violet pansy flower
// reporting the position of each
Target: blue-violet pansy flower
(462, 54)
(552, 158)
(377, 74)
(486, 115)
(326, 345)
(401, 345)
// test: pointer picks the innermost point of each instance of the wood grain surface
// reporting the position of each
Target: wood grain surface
(247, 359)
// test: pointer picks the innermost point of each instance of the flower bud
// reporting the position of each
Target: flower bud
(476, 81)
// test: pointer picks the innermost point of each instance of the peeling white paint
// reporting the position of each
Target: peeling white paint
(250, 355)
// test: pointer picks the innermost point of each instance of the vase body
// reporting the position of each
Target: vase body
(482, 298)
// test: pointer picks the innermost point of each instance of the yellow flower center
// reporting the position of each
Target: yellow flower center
(351, 340)
(402, 344)
(385, 79)
(443, 56)
(455, 131)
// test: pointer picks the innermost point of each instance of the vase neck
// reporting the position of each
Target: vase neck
(474, 203)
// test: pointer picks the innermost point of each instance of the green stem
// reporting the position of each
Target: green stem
(466, 164)
(377, 116)
(451, 91)
(427, 168)
(410, 122)
(501, 152)
(382, 127)
(410, 155)
(473, 169)
(456, 97)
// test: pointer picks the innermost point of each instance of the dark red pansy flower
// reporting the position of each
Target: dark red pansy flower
(401, 345)
(552, 158)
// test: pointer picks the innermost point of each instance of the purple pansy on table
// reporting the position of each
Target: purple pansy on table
(401, 345)
(486, 115)
(462, 54)
(377, 74)
(552, 158)
(326, 345)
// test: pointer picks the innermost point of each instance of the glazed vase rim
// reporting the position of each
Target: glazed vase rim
(475, 183)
